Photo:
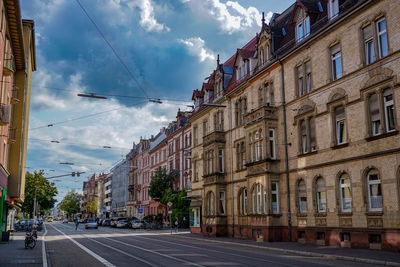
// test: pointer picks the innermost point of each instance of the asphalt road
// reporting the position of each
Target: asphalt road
(66, 246)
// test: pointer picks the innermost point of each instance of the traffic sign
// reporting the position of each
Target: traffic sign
(170, 212)
(140, 211)
(169, 204)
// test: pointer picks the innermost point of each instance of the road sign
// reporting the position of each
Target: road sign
(169, 204)
(170, 212)
(140, 211)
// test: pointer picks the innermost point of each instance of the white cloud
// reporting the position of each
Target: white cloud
(147, 17)
(196, 47)
(231, 15)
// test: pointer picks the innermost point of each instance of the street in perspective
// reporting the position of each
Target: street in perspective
(200, 133)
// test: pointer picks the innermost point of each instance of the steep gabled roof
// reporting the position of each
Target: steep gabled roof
(197, 93)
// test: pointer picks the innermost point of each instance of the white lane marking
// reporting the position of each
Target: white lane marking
(97, 257)
(218, 251)
(44, 256)
(123, 252)
(154, 252)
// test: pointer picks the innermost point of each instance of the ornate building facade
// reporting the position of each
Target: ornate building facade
(295, 137)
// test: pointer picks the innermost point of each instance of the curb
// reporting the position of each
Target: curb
(307, 253)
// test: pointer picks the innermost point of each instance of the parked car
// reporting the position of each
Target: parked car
(91, 224)
(20, 225)
(83, 220)
(137, 224)
(115, 220)
(106, 222)
(122, 223)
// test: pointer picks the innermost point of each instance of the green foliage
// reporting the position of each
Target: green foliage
(92, 206)
(71, 203)
(160, 182)
(180, 206)
(45, 193)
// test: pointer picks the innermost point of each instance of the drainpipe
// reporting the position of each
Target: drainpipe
(231, 162)
(286, 152)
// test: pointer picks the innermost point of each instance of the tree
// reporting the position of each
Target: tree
(180, 205)
(71, 203)
(92, 206)
(160, 182)
(45, 193)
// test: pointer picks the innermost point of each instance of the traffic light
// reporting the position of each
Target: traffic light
(78, 174)
(73, 174)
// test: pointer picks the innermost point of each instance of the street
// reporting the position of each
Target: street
(66, 246)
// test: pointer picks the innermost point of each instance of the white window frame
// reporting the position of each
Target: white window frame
(272, 143)
(334, 58)
(221, 160)
(387, 104)
(368, 49)
(222, 200)
(379, 35)
(275, 210)
(343, 186)
(333, 9)
(369, 184)
(303, 29)
(320, 208)
(265, 201)
(259, 198)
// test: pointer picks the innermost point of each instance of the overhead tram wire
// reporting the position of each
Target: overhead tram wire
(112, 48)
(79, 144)
(82, 117)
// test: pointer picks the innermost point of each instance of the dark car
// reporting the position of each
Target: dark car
(106, 222)
(20, 225)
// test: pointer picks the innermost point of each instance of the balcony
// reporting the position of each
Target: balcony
(214, 137)
(108, 191)
(14, 95)
(264, 112)
(5, 114)
(131, 188)
(12, 135)
(214, 178)
(107, 184)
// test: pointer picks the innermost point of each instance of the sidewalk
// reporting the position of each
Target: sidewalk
(378, 257)
(15, 254)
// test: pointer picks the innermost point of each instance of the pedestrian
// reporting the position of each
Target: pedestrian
(76, 223)
(176, 224)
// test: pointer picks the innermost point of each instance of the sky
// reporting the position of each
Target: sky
(167, 49)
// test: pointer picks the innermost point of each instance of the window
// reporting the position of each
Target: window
(222, 202)
(272, 144)
(300, 80)
(221, 160)
(219, 121)
(345, 193)
(209, 168)
(243, 154)
(389, 110)
(374, 191)
(340, 123)
(253, 201)
(196, 171)
(369, 45)
(261, 57)
(243, 201)
(333, 9)
(265, 201)
(303, 133)
(275, 197)
(336, 61)
(375, 117)
(210, 202)
(308, 77)
(313, 144)
(303, 29)
(240, 110)
(302, 197)
(321, 195)
(259, 198)
(382, 38)
(205, 128)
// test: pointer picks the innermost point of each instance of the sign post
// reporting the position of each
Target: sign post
(170, 212)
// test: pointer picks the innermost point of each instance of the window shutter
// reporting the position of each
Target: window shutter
(374, 107)
(339, 112)
(367, 32)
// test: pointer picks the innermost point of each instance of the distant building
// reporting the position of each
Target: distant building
(101, 207)
(108, 195)
(119, 183)
(89, 197)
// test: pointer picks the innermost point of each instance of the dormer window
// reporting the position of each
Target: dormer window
(333, 9)
(261, 57)
(303, 29)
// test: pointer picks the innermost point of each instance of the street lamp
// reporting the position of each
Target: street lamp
(231, 155)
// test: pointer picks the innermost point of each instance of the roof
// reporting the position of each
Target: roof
(246, 54)
(158, 140)
(13, 10)
(208, 86)
(197, 93)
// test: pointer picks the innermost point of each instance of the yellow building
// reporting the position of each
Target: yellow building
(296, 136)
(19, 61)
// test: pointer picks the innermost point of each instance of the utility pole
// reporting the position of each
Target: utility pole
(34, 203)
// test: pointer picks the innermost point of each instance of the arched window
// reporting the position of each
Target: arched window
(321, 195)
(374, 191)
(257, 199)
(302, 192)
(243, 201)
(345, 193)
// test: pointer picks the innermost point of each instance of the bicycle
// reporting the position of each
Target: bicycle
(30, 240)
